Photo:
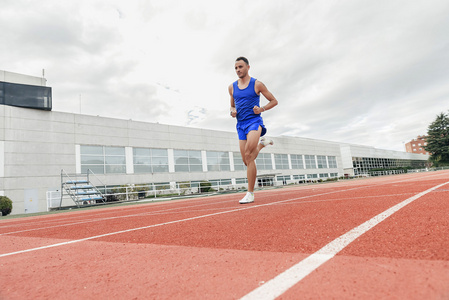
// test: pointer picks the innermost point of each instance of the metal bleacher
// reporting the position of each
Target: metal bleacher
(80, 189)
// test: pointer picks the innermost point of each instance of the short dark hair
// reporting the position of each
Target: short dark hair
(244, 59)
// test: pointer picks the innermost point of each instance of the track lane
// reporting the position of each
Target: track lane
(146, 219)
(404, 257)
(104, 226)
(334, 206)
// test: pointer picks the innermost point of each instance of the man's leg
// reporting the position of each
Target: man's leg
(249, 150)
(252, 149)
(242, 144)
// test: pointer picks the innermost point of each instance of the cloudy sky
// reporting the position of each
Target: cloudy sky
(366, 72)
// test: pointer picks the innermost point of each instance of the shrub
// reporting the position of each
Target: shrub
(5, 205)
(205, 186)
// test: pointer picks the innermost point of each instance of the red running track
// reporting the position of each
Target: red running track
(363, 239)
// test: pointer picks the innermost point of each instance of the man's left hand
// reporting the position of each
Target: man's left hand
(258, 110)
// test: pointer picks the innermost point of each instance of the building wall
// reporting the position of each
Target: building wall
(21, 78)
(36, 145)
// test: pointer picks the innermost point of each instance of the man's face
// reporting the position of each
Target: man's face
(241, 68)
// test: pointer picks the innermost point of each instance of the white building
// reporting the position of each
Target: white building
(36, 144)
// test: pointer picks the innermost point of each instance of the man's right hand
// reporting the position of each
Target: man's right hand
(233, 113)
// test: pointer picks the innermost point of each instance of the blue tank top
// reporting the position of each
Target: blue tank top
(245, 100)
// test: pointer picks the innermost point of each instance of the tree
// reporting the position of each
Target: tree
(438, 140)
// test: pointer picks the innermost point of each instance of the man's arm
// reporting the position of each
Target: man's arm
(232, 109)
(261, 88)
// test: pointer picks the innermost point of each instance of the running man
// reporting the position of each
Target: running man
(245, 105)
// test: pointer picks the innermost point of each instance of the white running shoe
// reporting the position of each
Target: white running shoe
(265, 142)
(249, 198)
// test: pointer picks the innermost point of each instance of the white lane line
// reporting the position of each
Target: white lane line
(75, 222)
(57, 218)
(118, 232)
(170, 222)
(284, 281)
(175, 221)
(173, 210)
(150, 213)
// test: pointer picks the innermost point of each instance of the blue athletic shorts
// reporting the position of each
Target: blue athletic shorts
(244, 128)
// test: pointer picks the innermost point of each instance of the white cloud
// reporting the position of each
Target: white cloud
(365, 72)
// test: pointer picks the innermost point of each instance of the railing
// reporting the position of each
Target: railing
(135, 192)
(65, 177)
(152, 192)
(428, 169)
(100, 186)
(387, 172)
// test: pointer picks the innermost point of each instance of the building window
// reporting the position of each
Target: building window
(218, 161)
(188, 161)
(23, 95)
(297, 162)
(150, 160)
(281, 161)
(238, 162)
(193, 184)
(310, 161)
(299, 177)
(263, 161)
(362, 165)
(241, 180)
(283, 178)
(322, 163)
(324, 175)
(103, 160)
(218, 183)
(332, 160)
(312, 176)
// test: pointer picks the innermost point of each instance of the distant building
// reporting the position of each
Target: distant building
(417, 145)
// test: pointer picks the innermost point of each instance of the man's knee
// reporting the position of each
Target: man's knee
(249, 156)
